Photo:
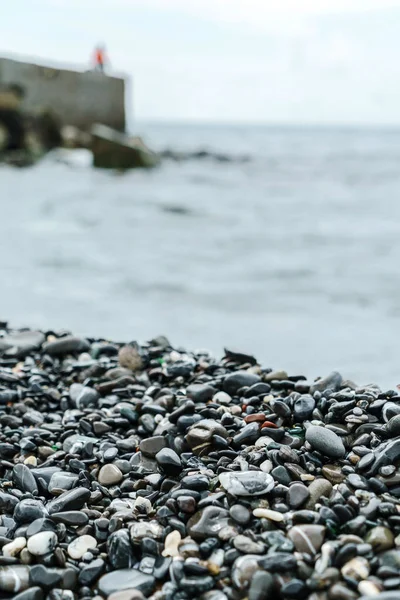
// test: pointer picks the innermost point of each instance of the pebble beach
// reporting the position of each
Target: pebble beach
(132, 471)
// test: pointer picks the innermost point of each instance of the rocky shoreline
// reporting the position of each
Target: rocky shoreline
(134, 471)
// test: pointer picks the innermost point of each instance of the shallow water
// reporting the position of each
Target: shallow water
(293, 256)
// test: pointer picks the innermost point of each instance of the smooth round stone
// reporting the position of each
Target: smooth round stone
(248, 546)
(91, 572)
(200, 392)
(393, 426)
(14, 547)
(303, 407)
(358, 569)
(127, 595)
(109, 474)
(382, 596)
(34, 593)
(240, 514)
(24, 480)
(330, 383)
(29, 510)
(307, 539)
(222, 398)
(151, 446)
(73, 499)
(244, 569)
(73, 518)
(297, 495)
(39, 525)
(171, 544)
(266, 513)
(77, 548)
(333, 474)
(21, 342)
(75, 439)
(234, 381)
(325, 441)
(42, 543)
(208, 522)
(380, 538)
(200, 435)
(61, 482)
(318, 488)
(68, 344)
(144, 529)
(125, 579)
(14, 579)
(261, 586)
(247, 483)
(119, 550)
(169, 461)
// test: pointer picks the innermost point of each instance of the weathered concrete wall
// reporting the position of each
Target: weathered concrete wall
(78, 98)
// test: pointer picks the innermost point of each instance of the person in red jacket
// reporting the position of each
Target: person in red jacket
(100, 58)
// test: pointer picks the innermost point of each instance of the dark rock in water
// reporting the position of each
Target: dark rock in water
(234, 381)
(326, 385)
(115, 150)
(120, 550)
(72, 500)
(325, 441)
(208, 522)
(169, 461)
(247, 483)
(29, 510)
(68, 344)
(24, 480)
(125, 579)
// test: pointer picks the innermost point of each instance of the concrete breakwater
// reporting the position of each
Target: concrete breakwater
(77, 98)
(132, 471)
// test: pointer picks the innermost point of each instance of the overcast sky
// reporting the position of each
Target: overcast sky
(290, 61)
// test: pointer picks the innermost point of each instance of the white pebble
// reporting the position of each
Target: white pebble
(172, 542)
(222, 398)
(14, 547)
(42, 543)
(266, 513)
(78, 547)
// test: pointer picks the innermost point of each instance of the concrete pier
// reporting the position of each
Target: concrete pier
(78, 98)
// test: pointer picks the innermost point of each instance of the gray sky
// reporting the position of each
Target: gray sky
(293, 61)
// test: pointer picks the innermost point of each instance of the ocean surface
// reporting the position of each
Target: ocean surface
(293, 256)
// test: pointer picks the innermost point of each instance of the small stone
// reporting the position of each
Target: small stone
(261, 586)
(318, 488)
(333, 474)
(68, 344)
(380, 538)
(28, 510)
(129, 358)
(72, 518)
(24, 479)
(14, 547)
(307, 538)
(61, 482)
(247, 483)
(109, 474)
(266, 513)
(119, 550)
(208, 522)
(77, 548)
(73, 499)
(234, 381)
(297, 495)
(152, 445)
(248, 546)
(303, 407)
(358, 568)
(325, 441)
(328, 384)
(14, 579)
(240, 514)
(42, 543)
(125, 579)
(127, 595)
(171, 544)
(169, 461)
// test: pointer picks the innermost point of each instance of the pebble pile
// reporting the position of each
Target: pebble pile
(143, 471)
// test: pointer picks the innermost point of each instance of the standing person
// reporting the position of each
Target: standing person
(100, 58)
